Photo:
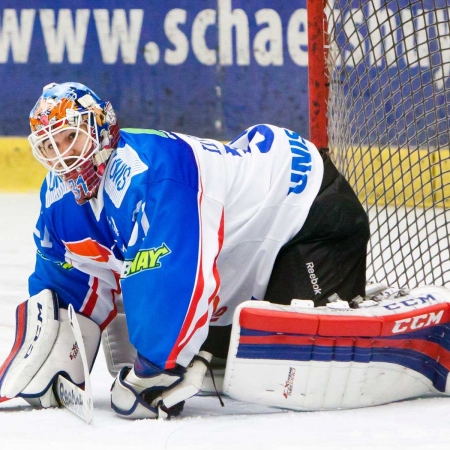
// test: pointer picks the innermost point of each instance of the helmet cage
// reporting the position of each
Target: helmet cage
(62, 162)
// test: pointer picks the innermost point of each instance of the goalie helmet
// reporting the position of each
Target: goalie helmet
(73, 133)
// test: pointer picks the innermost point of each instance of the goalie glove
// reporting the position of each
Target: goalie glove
(159, 395)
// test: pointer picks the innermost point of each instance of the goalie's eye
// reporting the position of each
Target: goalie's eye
(47, 146)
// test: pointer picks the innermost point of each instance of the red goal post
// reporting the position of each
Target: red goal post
(379, 89)
(317, 72)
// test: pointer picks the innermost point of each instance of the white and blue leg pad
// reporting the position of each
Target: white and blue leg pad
(37, 325)
(45, 347)
(334, 357)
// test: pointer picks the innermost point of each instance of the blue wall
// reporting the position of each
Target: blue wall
(205, 67)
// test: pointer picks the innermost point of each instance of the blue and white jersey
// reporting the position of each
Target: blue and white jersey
(193, 227)
(76, 253)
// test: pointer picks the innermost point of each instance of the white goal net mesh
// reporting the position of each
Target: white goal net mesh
(389, 129)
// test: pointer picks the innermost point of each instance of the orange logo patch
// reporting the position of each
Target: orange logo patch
(89, 248)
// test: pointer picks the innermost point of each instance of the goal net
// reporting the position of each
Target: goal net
(388, 112)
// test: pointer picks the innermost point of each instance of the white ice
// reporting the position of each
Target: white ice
(416, 424)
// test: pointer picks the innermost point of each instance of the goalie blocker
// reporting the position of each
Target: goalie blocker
(305, 358)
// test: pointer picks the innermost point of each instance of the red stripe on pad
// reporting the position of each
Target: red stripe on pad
(343, 325)
(349, 326)
(278, 321)
(21, 316)
(277, 339)
(315, 324)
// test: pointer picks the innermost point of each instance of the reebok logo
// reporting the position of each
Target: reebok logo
(314, 279)
(71, 399)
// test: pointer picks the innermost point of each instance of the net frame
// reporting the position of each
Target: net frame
(384, 89)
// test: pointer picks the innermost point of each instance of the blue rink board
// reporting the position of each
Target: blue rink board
(205, 67)
(168, 81)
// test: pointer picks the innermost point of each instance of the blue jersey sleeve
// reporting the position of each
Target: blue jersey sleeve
(58, 276)
(79, 263)
(52, 271)
(170, 276)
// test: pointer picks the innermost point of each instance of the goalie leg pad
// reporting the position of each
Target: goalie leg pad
(324, 358)
(45, 347)
(64, 359)
(37, 325)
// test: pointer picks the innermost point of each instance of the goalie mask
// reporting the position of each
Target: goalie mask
(73, 133)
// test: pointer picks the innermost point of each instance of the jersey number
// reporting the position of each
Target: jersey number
(75, 186)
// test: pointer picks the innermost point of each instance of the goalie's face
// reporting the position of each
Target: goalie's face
(73, 133)
(67, 149)
(63, 148)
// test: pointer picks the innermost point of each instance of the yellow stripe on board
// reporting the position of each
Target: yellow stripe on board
(393, 176)
(442, 173)
(19, 170)
(400, 176)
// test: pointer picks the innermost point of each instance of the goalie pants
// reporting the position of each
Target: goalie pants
(327, 256)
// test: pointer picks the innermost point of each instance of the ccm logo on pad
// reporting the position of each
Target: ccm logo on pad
(421, 321)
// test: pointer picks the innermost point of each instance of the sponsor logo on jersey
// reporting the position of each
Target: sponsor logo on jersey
(91, 249)
(123, 167)
(56, 189)
(145, 260)
(119, 173)
(64, 265)
(417, 322)
(97, 255)
(301, 162)
(218, 312)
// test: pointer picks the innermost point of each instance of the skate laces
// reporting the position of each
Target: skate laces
(209, 368)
